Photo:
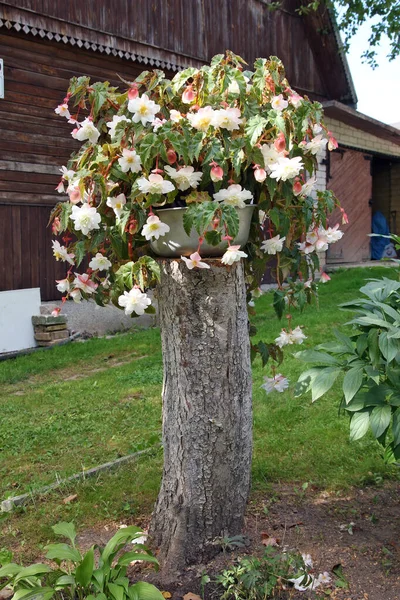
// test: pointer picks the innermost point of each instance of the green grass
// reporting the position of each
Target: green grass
(83, 404)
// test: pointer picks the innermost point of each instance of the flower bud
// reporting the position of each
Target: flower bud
(133, 92)
(171, 156)
(216, 173)
(280, 143)
(297, 186)
(188, 95)
(332, 143)
(260, 175)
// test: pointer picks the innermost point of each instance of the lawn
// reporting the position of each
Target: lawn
(80, 405)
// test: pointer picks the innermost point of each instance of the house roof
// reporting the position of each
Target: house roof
(354, 118)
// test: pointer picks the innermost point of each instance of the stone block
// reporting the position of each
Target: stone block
(48, 320)
(46, 328)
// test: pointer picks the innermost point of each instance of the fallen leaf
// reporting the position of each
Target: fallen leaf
(70, 499)
(166, 595)
(269, 541)
(191, 596)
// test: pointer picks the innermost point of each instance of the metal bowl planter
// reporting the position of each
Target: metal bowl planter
(177, 243)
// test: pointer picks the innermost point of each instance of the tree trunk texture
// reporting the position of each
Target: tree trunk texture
(207, 411)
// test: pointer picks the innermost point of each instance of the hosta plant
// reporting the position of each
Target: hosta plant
(212, 139)
(369, 361)
(98, 574)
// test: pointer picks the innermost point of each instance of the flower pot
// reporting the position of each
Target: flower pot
(176, 242)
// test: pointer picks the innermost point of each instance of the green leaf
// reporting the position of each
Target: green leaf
(357, 403)
(66, 530)
(38, 593)
(79, 251)
(9, 570)
(388, 346)
(117, 591)
(264, 352)
(84, 571)
(118, 541)
(312, 356)
(362, 343)
(66, 210)
(188, 218)
(254, 128)
(359, 424)
(373, 347)
(323, 382)
(129, 557)
(213, 237)
(144, 591)
(230, 219)
(279, 303)
(61, 552)
(306, 380)
(396, 427)
(380, 419)
(352, 382)
(65, 581)
(32, 571)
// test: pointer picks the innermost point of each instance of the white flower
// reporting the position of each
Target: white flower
(86, 131)
(61, 253)
(157, 123)
(270, 155)
(84, 283)
(305, 582)
(155, 184)
(175, 116)
(317, 144)
(308, 561)
(295, 99)
(233, 254)
(283, 339)
(143, 109)
(286, 168)
(130, 161)
(76, 295)
(260, 175)
(134, 301)
(279, 383)
(308, 187)
(112, 125)
(154, 228)
(85, 218)
(63, 285)
(202, 119)
(317, 128)
(117, 203)
(67, 174)
(332, 234)
(100, 263)
(324, 578)
(273, 245)
(185, 177)
(194, 262)
(62, 110)
(227, 118)
(233, 196)
(278, 103)
(297, 335)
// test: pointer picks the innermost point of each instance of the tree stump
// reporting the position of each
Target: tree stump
(207, 411)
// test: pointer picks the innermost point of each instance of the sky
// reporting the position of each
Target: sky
(378, 90)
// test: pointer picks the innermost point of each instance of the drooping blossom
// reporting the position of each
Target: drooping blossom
(86, 218)
(317, 128)
(117, 203)
(56, 226)
(86, 131)
(130, 161)
(100, 263)
(133, 91)
(157, 123)
(76, 295)
(171, 156)
(316, 145)
(233, 254)
(286, 168)
(143, 109)
(279, 103)
(297, 186)
(195, 262)
(308, 561)
(185, 178)
(67, 174)
(332, 142)
(233, 196)
(175, 116)
(273, 245)
(134, 301)
(270, 155)
(189, 95)
(324, 278)
(63, 285)
(61, 253)
(63, 111)
(216, 172)
(260, 175)
(324, 578)
(285, 338)
(154, 228)
(155, 184)
(202, 119)
(112, 125)
(227, 118)
(84, 283)
(304, 582)
(280, 143)
(279, 383)
(74, 193)
(332, 234)
(308, 187)
(295, 99)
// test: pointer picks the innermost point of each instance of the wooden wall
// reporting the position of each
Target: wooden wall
(34, 143)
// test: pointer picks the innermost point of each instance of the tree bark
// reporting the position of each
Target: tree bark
(207, 411)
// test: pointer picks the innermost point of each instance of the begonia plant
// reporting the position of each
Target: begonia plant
(212, 139)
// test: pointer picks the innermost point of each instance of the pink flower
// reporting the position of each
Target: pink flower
(295, 99)
(278, 103)
(194, 262)
(297, 187)
(332, 142)
(62, 110)
(74, 194)
(188, 95)
(279, 383)
(84, 283)
(260, 175)
(280, 142)
(324, 278)
(216, 173)
(133, 92)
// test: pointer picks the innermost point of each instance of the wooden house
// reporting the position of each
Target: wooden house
(45, 42)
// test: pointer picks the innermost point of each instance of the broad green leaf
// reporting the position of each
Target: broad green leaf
(362, 343)
(352, 382)
(144, 591)
(324, 381)
(213, 237)
(129, 557)
(117, 591)
(84, 571)
(312, 356)
(254, 128)
(306, 380)
(388, 346)
(9, 570)
(396, 427)
(32, 571)
(230, 218)
(66, 530)
(188, 217)
(61, 552)
(279, 303)
(373, 347)
(357, 403)
(122, 537)
(264, 352)
(380, 419)
(359, 424)
(65, 580)
(38, 593)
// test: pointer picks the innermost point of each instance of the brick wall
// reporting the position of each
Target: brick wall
(350, 136)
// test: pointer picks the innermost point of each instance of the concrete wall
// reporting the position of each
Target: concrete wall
(17, 307)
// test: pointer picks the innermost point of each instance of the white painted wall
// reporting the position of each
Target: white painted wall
(17, 308)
